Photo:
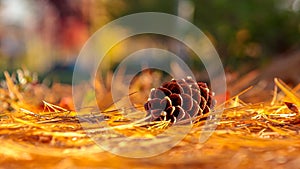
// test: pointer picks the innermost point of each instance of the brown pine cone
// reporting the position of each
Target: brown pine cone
(177, 100)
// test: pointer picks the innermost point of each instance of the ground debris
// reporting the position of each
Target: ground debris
(262, 135)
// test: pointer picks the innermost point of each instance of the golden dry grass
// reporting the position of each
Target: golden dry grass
(249, 135)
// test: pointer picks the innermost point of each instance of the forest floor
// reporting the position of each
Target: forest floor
(36, 134)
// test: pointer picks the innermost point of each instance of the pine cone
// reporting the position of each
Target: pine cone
(177, 100)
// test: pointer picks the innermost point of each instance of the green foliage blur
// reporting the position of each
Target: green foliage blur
(246, 34)
(249, 33)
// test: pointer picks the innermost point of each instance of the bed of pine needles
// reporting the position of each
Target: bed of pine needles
(249, 135)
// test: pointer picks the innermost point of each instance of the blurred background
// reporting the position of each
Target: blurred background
(253, 36)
